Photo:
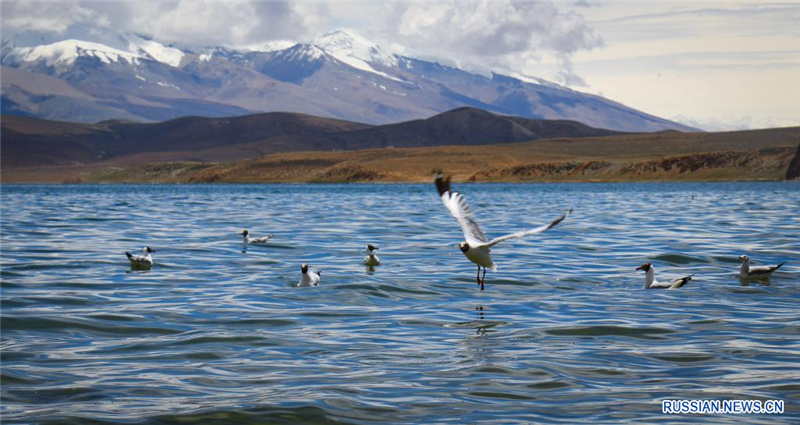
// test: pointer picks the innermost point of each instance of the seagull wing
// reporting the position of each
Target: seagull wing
(677, 283)
(459, 209)
(764, 269)
(530, 232)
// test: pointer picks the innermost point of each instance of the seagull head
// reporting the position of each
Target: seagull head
(463, 246)
(244, 233)
(304, 268)
(148, 250)
(744, 257)
(371, 247)
(645, 267)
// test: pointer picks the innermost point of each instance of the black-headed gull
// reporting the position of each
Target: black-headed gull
(141, 261)
(310, 277)
(748, 271)
(650, 281)
(477, 246)
(247, 239)
(371, 259)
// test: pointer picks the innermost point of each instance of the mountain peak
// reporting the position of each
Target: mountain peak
(155, 50)
(465, 111)
(270, 46)
(67, 51)
(345, 44)
(302, 52)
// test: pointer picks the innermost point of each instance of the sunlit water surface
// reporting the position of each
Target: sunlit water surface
(564, 332)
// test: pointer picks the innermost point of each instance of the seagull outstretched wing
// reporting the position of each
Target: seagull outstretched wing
(459, 209)
(530, 232)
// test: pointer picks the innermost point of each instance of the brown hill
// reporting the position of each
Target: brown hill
(742, 155)
(30, 142)
(465, 126)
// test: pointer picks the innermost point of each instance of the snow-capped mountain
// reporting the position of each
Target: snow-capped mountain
(154, 50)
(339, 75)
(346, 45)
(65, 53)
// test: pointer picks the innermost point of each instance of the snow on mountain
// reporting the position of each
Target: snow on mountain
(346, 44)
(528, 79)
(159, 52)
(302, 52)
(270, 46)
(356, 51)
(67, 51)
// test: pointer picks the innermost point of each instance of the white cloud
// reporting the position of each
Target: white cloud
(496, 33)
(491, 33)
(46, 16)
(185, 22)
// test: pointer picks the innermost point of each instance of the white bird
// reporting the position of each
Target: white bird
(477, 245)
(747, 271)
(310, 277)
(248, 239)
(650, 281)
(141, 261)
(371, 259)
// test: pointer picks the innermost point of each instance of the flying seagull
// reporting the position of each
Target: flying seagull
(141, 261)
(371, 259)
(247, 239)
(477, 246)
(310, 277)
(650, 281)
(748, 271)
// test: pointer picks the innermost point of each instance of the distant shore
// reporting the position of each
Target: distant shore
(763, 155)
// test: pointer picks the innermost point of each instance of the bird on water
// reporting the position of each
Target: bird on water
(477, 246)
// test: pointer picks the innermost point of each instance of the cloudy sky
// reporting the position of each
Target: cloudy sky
(720, 65)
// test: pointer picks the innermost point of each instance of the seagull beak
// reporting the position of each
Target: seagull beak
(640, 268)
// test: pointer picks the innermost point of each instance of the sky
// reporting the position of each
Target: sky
(715, 65)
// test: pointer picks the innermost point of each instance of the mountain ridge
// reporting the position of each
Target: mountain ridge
(342, 76)
(28, 141)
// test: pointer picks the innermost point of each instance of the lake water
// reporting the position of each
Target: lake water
(564, 332)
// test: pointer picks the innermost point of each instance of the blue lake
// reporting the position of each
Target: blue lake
(564, 332)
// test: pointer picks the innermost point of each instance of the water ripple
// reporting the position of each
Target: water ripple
(217, 332)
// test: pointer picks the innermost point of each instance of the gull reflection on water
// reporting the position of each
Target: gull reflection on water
(480, 330)
(480, 348)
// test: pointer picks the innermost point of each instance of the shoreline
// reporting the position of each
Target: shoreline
(390, 183)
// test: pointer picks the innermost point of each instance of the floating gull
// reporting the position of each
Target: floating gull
(650, 281)
(248, 239)
(747, 271)
(477, 246)
(310, 277)
(141, 261)
(371, 259)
